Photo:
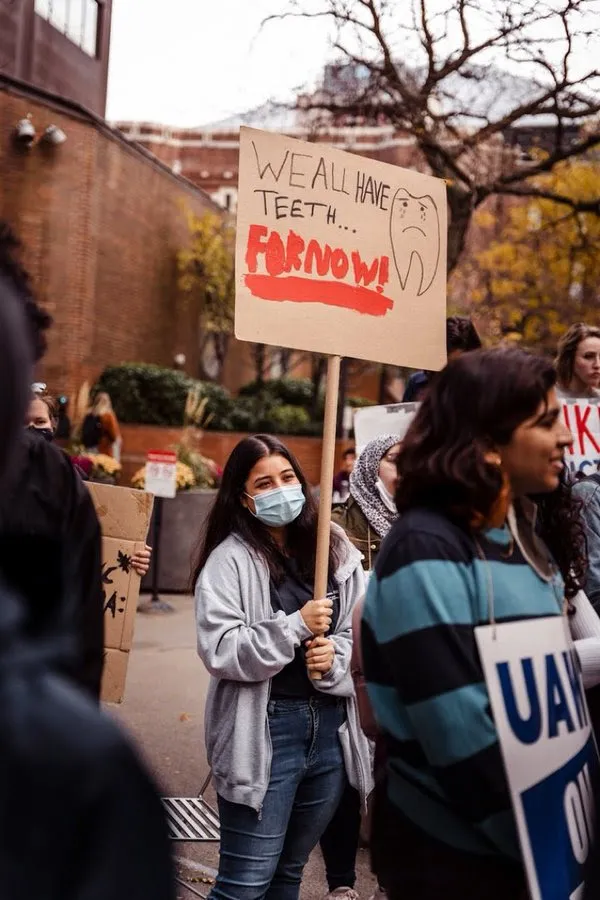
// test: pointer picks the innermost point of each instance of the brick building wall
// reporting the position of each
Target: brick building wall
(101, 222)
(35, 51)
(218, 445)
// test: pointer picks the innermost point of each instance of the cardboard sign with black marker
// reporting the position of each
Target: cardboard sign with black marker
(124, 516)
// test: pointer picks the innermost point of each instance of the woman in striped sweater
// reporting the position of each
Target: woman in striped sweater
(444, 827)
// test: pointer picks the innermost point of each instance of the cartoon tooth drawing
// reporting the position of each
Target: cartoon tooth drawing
(415, 234)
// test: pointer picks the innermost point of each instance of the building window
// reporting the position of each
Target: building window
(77, 19)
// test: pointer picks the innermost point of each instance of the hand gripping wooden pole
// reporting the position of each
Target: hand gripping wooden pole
(326, 493)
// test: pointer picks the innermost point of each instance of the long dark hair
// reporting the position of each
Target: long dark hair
(474, 406)
(560, 525)
(228, 516)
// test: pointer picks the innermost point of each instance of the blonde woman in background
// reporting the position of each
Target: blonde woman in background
(578, 363)
(100, 430)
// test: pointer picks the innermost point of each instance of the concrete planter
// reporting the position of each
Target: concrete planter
(182, 526)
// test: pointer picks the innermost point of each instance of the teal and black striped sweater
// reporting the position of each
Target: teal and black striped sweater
(429, 591)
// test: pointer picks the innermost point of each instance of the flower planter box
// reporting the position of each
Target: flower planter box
(183, 524)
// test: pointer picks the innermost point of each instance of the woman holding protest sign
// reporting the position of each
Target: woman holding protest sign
(466, 549)
(578, 363)
(281, 744)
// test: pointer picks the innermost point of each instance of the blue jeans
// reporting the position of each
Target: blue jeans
(263, 857)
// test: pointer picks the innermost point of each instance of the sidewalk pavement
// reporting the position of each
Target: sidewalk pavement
(163, 710)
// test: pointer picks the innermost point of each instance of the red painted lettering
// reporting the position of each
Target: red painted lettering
(294, 249)
(255, 245)
(275, 255)
(315, 254)
(384, 273)
(363, 272)
(339, 264)
(583, 431)
(291, 254)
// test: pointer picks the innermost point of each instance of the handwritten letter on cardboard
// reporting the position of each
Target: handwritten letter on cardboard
(339, 254)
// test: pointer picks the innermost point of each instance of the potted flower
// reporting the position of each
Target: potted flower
(104, 469)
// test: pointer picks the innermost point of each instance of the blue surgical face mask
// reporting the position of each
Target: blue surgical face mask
(279, 506)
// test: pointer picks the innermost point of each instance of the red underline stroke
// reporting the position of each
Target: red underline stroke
(294, 289)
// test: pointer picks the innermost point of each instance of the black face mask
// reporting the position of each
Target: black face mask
(46, 433)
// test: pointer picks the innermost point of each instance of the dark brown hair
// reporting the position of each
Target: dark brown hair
(561, 527)
(228, 516)
(567, 348)
(461, 335)
(472, 407)
(11, 268)
(51, 404)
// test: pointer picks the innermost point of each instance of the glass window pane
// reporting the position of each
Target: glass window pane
(42, 8)
(58, 14)
(90, 30)
(76, 15)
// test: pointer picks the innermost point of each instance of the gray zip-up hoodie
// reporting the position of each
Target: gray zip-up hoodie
(243, 643)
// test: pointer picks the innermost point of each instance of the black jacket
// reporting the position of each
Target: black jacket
(79, 817)
(50, 554)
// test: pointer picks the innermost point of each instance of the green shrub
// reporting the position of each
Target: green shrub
(246, 414)
(288, 419)
(220, 405)
(145, 394)
(291, 391)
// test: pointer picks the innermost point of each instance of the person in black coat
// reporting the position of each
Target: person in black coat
(48, 513)
(51, 549)
(79, 817)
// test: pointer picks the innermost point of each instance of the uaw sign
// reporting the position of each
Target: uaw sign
(538, 703)
(582, 418)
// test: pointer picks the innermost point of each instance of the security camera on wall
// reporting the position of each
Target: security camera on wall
(54, 136)
(25, 132)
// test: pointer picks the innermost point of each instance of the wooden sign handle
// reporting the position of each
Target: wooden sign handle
(326, 495)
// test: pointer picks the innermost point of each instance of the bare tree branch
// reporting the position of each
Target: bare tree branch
(461, 76)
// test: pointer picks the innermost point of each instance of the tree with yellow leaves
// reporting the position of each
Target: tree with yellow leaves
(206, 268)
(540, 269)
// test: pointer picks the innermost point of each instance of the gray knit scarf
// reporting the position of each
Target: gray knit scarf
(363, 484)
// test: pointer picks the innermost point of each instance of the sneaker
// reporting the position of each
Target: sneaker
(342, 893)
(379, 894)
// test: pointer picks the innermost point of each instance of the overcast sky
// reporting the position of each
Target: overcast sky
(191, 62)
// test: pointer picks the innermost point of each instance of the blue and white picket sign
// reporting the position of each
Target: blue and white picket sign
(538, 703)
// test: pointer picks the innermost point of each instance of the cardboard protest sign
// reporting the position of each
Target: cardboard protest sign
(582, 418)
(538, 703)
(339, 254)
(124, 516)
(373, 421)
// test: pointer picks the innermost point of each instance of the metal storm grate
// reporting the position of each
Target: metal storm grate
(191, 819)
